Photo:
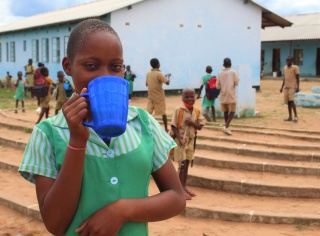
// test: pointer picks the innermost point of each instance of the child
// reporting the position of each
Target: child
(89, 186)
(184, 132)
(206, 103)
(129, 76)
(8, 80)
(44, 101)
(38, 80)
(61, 93)
(19, 94)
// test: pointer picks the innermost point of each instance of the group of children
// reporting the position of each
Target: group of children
(42, 73)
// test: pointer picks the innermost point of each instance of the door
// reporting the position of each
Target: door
(276, 60)
(318, 62)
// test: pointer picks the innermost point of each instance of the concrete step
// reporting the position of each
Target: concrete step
(19, 195)
(242, 162)
(257, 150)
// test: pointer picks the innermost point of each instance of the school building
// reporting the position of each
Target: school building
(301, 40)
(185, 35)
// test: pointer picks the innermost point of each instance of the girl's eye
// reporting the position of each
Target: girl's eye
(117, 67)
(91, 66)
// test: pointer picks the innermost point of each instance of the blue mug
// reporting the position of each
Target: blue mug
(109, 101)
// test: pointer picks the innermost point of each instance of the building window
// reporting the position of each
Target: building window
(0, 52)
(12, 52)
(24, 45)
(7, 49)
(298, 57)
(56, 50)
(66, 40)
(45, 50)
(35, 50)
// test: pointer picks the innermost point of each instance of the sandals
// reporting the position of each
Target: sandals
(295, 120)
(288, 119)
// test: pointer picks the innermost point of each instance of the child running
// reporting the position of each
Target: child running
(186, 120)
(19, 94)
(89, 186)
(206, 103)
(44, 101)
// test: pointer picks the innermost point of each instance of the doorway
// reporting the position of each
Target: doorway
(276, 60)
(318, 62)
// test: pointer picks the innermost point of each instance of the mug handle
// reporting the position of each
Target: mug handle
(88, 124)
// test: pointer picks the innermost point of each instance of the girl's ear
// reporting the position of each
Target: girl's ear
(66, 65)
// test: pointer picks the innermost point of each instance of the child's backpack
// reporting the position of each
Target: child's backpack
(39, 89)
(180, 116)
(67, 88)
(211, 90)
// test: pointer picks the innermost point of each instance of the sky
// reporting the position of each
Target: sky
(14, 10)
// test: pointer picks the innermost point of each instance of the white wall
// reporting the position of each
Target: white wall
(229, 28)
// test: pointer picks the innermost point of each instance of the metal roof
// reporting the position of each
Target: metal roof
(103, 7)
(305, 27)
(71, 14)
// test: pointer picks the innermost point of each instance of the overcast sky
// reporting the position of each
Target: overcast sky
(14, 10)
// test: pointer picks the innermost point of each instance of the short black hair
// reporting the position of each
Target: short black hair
(154, 62)
(82, 30)
(227, 62)
(44, 71)
(209, 69)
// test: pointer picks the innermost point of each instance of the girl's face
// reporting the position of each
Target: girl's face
(100, 55)
(189, 97)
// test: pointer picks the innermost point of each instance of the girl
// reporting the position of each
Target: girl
(89, 186)
(129, 76)
(19, 94)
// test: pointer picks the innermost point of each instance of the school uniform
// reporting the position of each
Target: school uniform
(188, 149)
(290, 82)
(30, 70)
(156, 96)
(120, 170)
(61, 95)
(44, 101)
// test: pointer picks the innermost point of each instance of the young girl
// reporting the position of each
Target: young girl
(129, 76)
(184, 131)
(44, 101)
(19, 94)
(89, 186)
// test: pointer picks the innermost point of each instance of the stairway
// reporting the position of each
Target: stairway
(257, 175)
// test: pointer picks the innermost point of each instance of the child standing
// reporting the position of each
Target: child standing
(44, 101)
(129, 76)
(61, 93)
(92, 186)
(206, 103)
(19, 94)
(184, 127)
(8, 80)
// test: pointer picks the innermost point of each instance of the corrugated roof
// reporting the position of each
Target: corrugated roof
(103, 7)
(270, 19)
(75, 13)
(305, 27)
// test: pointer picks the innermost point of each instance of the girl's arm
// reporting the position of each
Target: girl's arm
(58, 199)
(193, 124)
(166, 204)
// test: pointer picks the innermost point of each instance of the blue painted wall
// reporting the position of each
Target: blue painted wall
(287, 48)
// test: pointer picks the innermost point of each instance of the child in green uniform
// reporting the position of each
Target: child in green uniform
(92, 186)
(19, 94)
(129, 76)
(206, 103)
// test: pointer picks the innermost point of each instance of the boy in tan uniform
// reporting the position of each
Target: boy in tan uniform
(184, 132)
(30, 70)
(291, 86)
(228, 79)
(156, 97)
(61, 93)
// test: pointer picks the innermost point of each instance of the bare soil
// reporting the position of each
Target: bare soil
(272, 111)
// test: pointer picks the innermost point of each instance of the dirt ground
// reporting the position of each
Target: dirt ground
(272, 111)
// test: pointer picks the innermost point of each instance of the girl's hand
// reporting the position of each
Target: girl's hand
(106, 221)
(181, 142)
(75, 111)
